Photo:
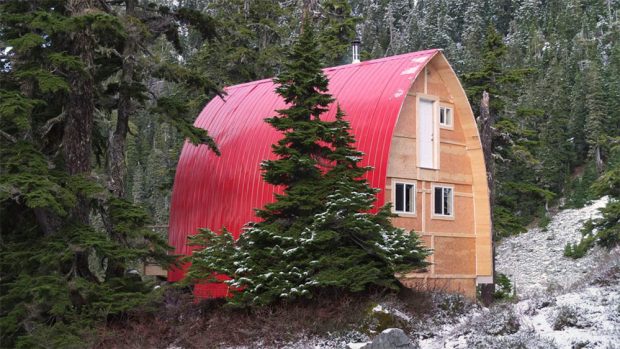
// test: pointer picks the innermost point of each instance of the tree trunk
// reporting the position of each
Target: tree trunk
(117, 167)
(486, 123)
(598, 160)
(77, 135)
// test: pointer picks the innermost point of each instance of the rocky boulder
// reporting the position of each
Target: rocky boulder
(391, 338)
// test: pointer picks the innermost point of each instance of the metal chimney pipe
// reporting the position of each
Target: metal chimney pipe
(355, 45)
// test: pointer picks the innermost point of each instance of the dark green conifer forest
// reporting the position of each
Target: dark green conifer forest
(552, 69)
(98, 96)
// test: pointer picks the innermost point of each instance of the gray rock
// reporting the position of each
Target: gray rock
(392, 338)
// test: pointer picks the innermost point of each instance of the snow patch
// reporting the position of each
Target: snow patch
(564, 303)
(535, 260)
(420, 59)
(412, 70)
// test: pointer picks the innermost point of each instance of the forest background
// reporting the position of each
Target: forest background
(98, 96)
(555, 126)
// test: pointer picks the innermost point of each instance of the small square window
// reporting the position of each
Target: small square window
(443, 198)
(445, 116)
(404, 198)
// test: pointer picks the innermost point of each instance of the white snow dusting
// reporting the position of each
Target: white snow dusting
(535, 260)
(565, 303)
(409, 71)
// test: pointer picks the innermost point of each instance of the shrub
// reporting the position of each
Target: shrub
(578, 191)
(503, 287)
(603, 231)
(501, 321)
(578, 249)
(378, 319)
(544, 222)
(567, 316)
(521, 340)
(452, 304)
(535, 304)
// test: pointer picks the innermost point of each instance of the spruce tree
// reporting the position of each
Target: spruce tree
(69, 238)
(604, 230)
(319, 234)
(355, 249)
(336, 30)
(597, 116)
(486, 91)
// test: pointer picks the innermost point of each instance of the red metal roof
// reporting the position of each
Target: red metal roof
(217, 192)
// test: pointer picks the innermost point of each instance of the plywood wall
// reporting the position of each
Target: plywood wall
(461, 244)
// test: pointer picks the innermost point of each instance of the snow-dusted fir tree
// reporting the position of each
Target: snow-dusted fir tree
(319, 235)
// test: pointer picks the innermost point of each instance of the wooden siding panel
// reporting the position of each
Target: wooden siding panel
(402, 159)
(455, 255)
(465, 286)
(463, 221)
(462, 245)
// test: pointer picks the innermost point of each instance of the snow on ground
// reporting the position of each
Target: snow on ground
(535, 260)
(584, 317)
(564, 303)
(587, 317)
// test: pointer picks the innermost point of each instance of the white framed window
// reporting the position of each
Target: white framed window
(403, 197)
(443, 201)
(446, 117)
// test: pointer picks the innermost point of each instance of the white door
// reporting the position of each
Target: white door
(426, 134)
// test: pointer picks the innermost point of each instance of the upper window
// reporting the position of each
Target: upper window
(404, 198)
(443, 198)
(446, 116)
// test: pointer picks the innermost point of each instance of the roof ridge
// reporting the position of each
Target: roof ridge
(346, 66)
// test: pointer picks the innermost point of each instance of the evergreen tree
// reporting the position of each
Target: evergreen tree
(526, 35)
(577, 119)
(487, 91)
(336, 31)
(507, 141)
(318, 235)
(434, 23)
(605, 230)
(387, 26)
(613, 88)
(69, 237)
(252, 34)
(473, 35)
(555, 147)
(596, 117)
(81, 82)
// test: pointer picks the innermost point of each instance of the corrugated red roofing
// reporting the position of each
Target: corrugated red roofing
(217, 192)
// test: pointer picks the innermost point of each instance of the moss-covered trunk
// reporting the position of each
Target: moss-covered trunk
(80, 109)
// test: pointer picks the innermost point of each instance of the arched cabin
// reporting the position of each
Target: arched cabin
(412, 120)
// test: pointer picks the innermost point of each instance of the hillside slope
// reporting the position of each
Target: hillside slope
(564, 303)
(534, 260)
